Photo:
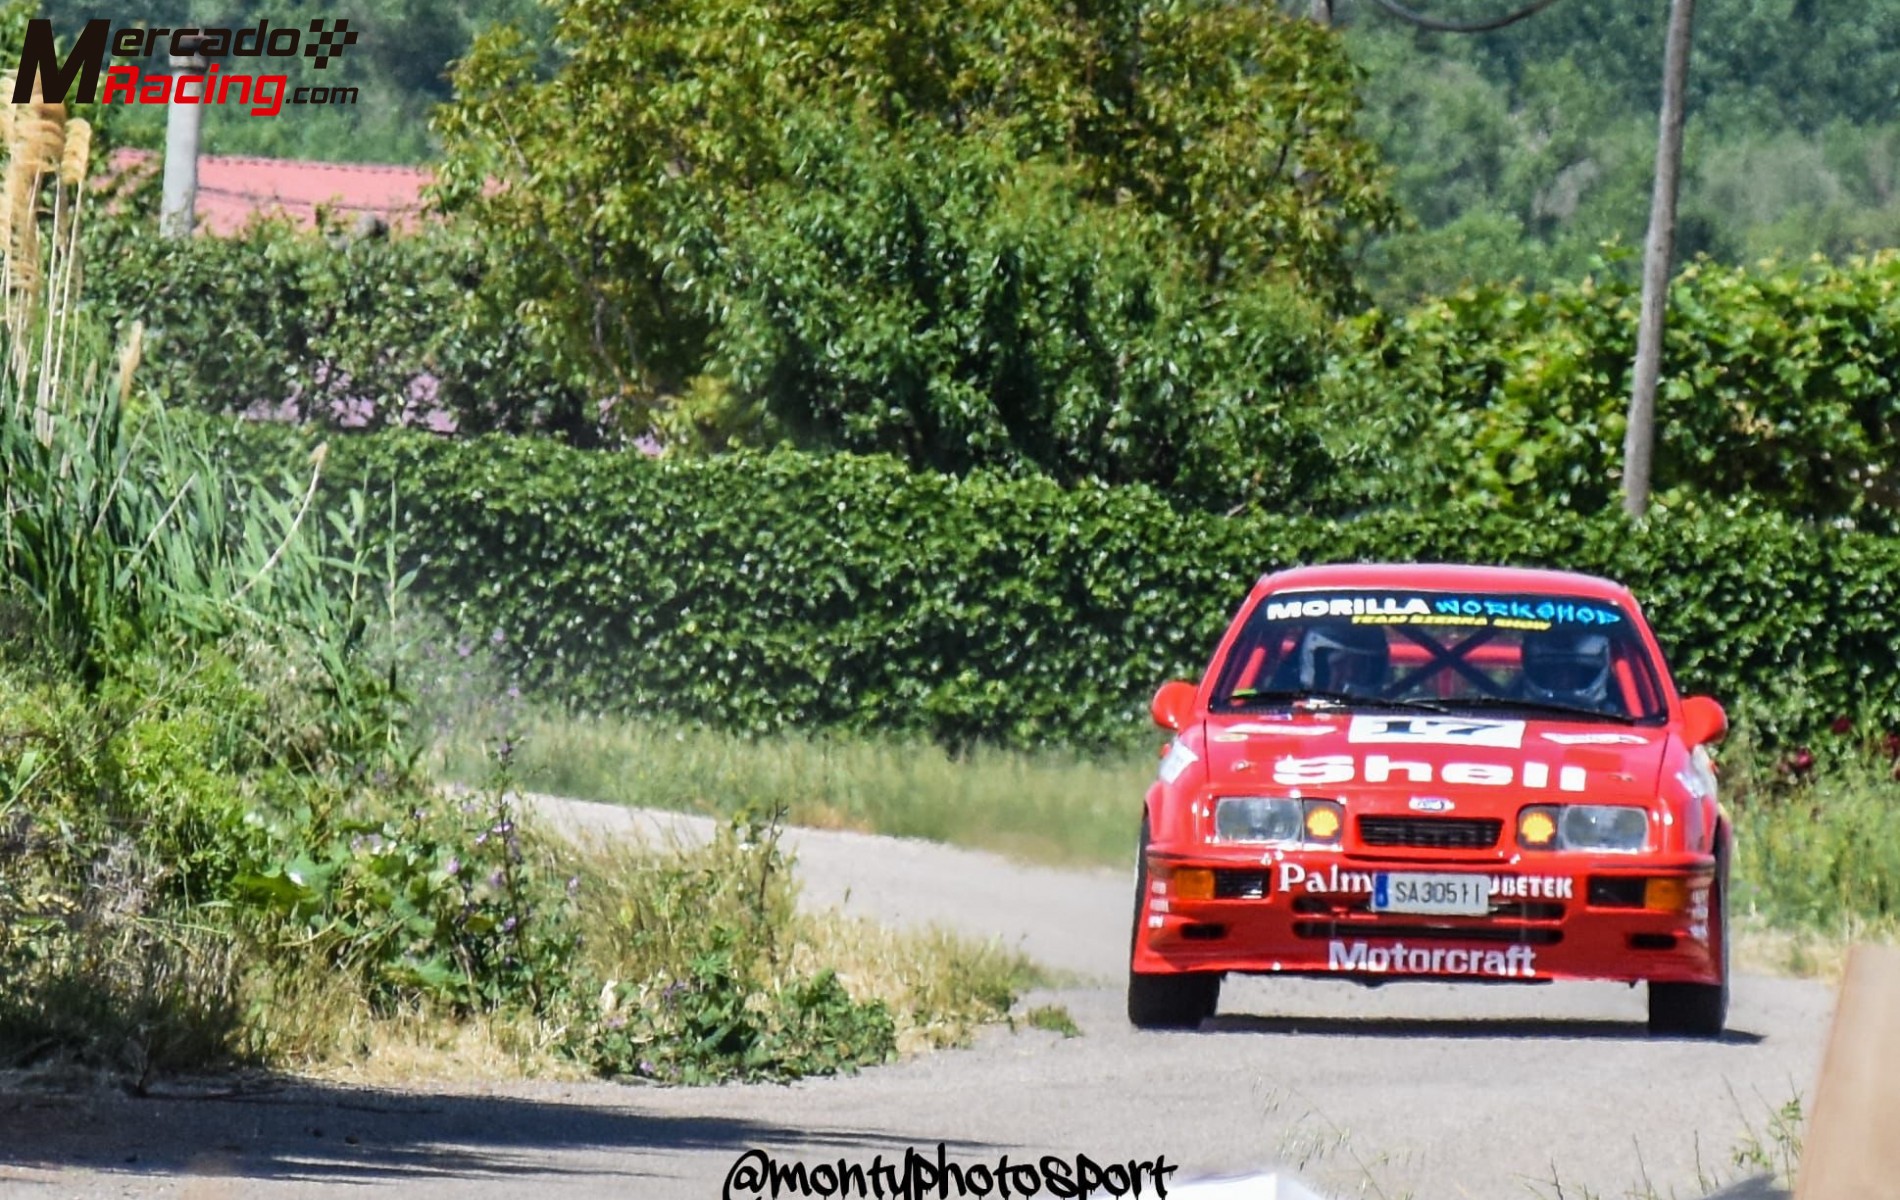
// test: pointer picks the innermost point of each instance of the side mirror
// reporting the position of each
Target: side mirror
(1173, 706)
(1703, 721)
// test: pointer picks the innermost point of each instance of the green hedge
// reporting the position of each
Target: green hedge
(1779, 389)
(765, 591)
(350, 331)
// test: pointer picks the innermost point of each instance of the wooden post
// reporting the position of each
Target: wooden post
(1639, 442)
(1850, 1151)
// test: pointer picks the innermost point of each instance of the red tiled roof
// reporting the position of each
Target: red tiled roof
(234, 188)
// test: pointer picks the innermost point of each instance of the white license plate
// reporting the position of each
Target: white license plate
(1434, 894)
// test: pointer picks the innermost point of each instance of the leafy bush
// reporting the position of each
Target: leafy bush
(1777, 391)
(354, 331)
(157, 911)
(697, 988)
(441, 902)
(935, 300)
(764, 591)
(714, 1024)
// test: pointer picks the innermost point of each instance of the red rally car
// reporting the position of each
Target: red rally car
(1434, 772)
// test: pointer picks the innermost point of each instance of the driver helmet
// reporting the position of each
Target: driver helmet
(1567, 666)
(1343, 657)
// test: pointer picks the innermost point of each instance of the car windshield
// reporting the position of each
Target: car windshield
(1448, 651)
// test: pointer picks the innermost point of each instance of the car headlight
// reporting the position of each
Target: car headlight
(1615, 828)
(1257, 819)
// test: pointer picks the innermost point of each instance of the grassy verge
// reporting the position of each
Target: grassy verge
(1817, 860)
(674, 946)
(176, 895)
(1049, 807)
(1817, 830)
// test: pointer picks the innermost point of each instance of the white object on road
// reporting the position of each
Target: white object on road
(1271, 1186)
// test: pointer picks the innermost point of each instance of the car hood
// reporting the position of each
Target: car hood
(1437, 763)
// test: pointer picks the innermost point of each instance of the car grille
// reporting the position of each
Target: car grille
(1430, 833)
(1514, 934)
(1347, 906)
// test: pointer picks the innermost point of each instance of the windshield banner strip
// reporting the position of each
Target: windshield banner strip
(1401, 608)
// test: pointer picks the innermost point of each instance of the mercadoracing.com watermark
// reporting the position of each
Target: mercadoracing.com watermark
(42, 75)
(916, 1176)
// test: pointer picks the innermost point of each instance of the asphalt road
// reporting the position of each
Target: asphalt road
(1424, 1090)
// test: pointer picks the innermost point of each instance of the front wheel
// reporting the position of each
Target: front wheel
(1698, 1010)
(1180, 1001)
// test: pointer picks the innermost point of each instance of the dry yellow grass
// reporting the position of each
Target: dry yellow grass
(305, 1024)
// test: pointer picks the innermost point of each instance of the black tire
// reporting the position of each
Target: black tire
(1698, 1010)
(1180, 1001)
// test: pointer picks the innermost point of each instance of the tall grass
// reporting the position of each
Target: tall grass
(133, 573)
(120, 531)
(1817, 842)
(1050, 807)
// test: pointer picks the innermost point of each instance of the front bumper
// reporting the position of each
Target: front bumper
(1307, 912)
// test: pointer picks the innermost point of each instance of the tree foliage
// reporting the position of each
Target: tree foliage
(927, 297)
(1520, 152)
(1778, 391)
(683, 140)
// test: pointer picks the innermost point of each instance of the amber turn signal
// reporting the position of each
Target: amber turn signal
(1194, 883)
(1666, 895)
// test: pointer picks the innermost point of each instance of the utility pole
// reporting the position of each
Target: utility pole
(1639, 441)
(178, 206)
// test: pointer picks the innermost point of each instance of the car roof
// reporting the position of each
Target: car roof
(1447, 577)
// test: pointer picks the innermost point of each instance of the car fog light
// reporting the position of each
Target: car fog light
(1322, 821)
